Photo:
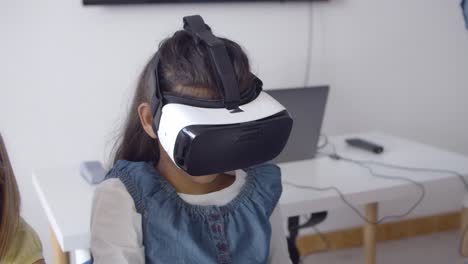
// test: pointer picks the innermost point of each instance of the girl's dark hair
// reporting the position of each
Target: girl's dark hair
(9, 201)
(184, 69)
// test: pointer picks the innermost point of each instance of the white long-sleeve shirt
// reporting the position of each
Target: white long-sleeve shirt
(116, 232)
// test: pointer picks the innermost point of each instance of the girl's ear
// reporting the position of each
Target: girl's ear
(146, 119)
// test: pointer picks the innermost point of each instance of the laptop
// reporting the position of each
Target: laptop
(307, 107)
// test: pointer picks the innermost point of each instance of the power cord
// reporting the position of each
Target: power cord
(325, 143)
(324, 240)
(309, 44)
(415, 169)
(365, 164)
(352, 207)
(335, 156)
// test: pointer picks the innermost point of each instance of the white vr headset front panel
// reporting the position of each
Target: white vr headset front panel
(175, 117)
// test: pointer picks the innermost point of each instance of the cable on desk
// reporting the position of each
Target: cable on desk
(325, 143)
(352, 207)
(335, 156)
(365, 164)
(415, 169)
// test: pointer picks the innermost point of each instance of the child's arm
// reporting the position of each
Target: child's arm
(116, 233)
(278, 247)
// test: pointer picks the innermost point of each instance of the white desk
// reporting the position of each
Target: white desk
(66, 197)
(67, 200)
(358, 185)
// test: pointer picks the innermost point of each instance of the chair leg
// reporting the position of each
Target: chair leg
(293, 223)
(293, 252)
(294, 227)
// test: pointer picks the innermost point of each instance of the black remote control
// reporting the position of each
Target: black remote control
(364, 144)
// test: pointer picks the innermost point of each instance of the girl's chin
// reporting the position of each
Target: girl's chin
(203, 179)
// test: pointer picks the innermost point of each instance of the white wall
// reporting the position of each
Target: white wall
(400, 67)
(67, 73)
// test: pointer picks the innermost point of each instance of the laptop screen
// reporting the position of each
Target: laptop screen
(307, 107)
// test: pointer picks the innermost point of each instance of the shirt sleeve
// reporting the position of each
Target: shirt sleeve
(116, 232)
(26, 246)
(278, 247)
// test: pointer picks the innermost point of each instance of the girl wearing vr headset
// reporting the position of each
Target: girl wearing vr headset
(150, 210)
(18, 241)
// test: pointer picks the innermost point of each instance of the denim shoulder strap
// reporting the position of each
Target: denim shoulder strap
(268, 187)
(139, 179)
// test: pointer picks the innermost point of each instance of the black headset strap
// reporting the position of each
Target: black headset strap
(225, 76)
(246, 96)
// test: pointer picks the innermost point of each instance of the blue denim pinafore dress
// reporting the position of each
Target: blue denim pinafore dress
(175, 231)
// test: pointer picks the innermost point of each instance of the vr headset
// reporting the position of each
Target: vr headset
(204, 137)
